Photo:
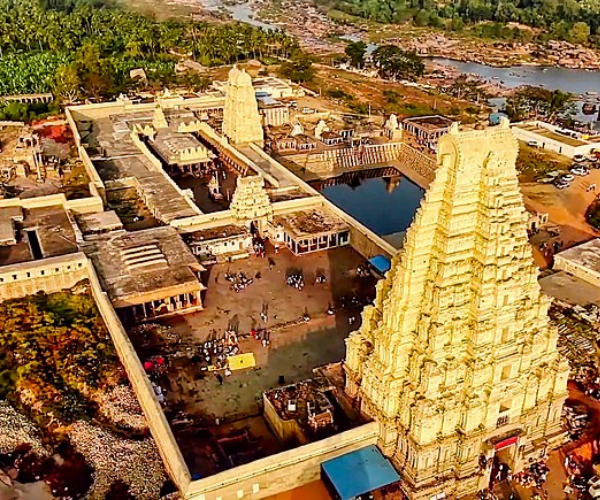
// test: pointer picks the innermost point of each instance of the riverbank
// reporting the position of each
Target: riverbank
(495, 53)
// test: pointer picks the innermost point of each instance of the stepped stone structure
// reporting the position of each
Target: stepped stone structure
(456, 360)
(241, 118)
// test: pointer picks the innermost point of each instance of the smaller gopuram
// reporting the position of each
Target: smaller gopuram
(241, 118)
(250, 202)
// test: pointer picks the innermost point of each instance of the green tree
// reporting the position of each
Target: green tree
(356, 52)
(580, 32)
(393, 62)
(422, 18)
(66, 83)
(299, 68)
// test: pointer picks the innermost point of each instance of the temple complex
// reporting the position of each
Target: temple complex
(232, 262)
(241, 120)
(456, 358)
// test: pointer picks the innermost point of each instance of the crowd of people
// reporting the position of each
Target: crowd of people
(534, 475)
(258, 244)
(295, 279)
(238, 281)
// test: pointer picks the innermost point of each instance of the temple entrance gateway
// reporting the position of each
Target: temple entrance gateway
(436, 293)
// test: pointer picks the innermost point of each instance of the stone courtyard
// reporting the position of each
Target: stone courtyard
(201, 411)
(296, 347)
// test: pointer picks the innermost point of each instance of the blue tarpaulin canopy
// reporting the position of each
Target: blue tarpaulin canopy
(381, 263)
(359, 472)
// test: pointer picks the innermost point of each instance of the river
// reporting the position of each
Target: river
(576, 81)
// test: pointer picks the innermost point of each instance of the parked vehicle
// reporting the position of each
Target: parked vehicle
(567, 178)
(579, 158)
(579, 170)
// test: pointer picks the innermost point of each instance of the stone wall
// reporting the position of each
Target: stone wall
(346, 158)
(287, 431)
(157, 422)
(582, 272)
(50, 275)
(283, 471)
(419, 162)
(89, 205)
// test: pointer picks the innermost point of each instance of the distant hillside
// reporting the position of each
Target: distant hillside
(574, 20)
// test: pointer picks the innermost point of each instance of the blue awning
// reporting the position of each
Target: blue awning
(381, 263)
(359, 472)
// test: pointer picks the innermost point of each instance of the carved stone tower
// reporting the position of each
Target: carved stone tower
(241, 119)
(456, 358)
(250, 201)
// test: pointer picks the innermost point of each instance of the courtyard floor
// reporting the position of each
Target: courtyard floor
(296, 347)
(205, 412)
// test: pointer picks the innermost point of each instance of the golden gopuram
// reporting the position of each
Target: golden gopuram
(456, 360)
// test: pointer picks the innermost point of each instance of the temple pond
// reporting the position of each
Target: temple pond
(382, 199)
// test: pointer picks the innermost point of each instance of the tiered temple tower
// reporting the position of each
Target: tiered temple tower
(456, 359)
(241, 119)
(250, 202)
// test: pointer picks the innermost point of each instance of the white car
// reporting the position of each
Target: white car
(579, 158)
(581, 171)
(567, 178)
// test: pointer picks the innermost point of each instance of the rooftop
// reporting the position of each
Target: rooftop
(121, 159)
(41, 233)
(170, 144)
(430, 122)
(309, 223)
(586, 255)
(134, 267)
(226, 231)
(359, 472)
(99, 222)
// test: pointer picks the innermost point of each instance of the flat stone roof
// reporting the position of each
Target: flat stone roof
(429, 122)
(100, 221)
(137, 267)
(52, 228)
(8, 217)
(585, 255)
(563, 286)
(169, 144)
(216, 233)
(166, 203)
(122, 159)
(311, 222)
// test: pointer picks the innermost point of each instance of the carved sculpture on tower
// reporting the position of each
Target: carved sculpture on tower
(456, 359)
(159, 120)
(241, 119)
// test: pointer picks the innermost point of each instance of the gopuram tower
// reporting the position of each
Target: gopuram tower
(456, 359)
(241, 119)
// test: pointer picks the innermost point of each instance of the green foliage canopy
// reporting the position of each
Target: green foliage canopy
(55, 351)
(40, 40)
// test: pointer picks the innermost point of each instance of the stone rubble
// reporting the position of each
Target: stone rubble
(113, 458)
(17, 430)
(121, 407)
